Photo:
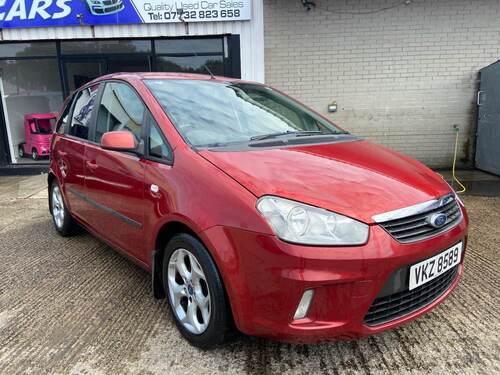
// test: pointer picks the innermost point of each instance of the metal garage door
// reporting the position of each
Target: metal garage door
(488, 127)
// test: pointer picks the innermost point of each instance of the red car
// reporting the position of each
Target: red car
(252, 211)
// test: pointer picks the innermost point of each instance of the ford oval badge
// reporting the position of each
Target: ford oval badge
(438, 220)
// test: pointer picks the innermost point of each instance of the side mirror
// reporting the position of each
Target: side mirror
(119, 141)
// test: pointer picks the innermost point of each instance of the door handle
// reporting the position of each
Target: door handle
(479, 98)
(92, 166)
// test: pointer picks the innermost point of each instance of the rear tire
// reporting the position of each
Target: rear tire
(195, 293)
(20, 151)
(34, 154)
(63, 222)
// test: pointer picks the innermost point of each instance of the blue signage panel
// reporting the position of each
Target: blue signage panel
(42, 13)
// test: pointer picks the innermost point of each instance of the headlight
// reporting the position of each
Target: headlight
(300, 223)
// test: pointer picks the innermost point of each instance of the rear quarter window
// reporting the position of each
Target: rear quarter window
(62, 122)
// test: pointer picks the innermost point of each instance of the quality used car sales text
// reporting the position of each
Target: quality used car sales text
(193, 6)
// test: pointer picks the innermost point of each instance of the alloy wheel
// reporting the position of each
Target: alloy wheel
(57, 207)
(188, 291)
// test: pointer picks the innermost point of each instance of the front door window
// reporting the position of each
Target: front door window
(120, 109)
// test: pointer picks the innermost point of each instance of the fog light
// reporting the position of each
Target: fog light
(304, 304)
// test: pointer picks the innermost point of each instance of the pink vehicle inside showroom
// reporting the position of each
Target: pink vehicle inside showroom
(38, 130)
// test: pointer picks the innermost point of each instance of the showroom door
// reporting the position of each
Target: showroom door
(141, 63)
(78, 72)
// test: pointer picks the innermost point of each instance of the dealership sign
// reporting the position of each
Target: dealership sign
(40, 13)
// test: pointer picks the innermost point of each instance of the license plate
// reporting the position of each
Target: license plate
(431, 268)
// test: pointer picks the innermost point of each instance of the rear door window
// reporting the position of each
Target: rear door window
(84, 105)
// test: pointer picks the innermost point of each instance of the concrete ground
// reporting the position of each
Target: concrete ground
(74, 306)
(476, 182)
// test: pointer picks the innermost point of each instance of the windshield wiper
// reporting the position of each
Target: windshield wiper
(298, 133)
(212, 145)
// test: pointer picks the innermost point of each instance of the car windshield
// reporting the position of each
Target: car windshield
(213, 113)
(44, 126)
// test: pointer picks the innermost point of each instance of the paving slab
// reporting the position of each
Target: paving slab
(21, 187)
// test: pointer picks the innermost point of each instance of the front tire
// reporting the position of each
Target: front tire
(195, 292)
(63, 222)
(34, 154)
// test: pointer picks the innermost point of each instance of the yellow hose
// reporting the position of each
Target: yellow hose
(463, 189)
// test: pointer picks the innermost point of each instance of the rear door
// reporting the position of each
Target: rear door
(114, 181)
(70, 149)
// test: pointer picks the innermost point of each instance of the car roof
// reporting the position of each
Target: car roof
(163, 75)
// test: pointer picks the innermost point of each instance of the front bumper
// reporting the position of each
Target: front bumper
(265, 279)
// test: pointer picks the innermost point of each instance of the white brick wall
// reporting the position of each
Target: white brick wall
(401, 77)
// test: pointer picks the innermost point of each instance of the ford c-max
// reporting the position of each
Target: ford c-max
(251, 211)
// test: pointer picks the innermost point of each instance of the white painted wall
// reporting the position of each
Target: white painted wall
(402, 77)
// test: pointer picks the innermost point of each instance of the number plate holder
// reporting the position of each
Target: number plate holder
(429, 269)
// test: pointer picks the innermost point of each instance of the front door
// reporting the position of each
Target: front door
(114, 180)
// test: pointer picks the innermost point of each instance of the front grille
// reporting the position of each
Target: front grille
(394, 306)
(417, 227)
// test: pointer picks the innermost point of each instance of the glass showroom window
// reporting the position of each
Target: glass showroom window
(28, 85)
(190, 55)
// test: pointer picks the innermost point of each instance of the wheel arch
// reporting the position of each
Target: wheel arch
(166, 232)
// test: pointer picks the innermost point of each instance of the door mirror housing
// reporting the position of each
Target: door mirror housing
(119, 141)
